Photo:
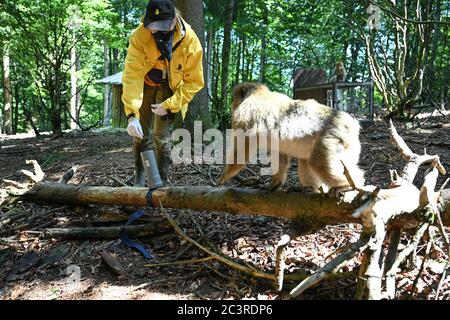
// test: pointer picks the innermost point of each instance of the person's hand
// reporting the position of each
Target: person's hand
(158, 109)
(134, 128)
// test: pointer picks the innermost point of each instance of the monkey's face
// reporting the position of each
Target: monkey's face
(242, 91)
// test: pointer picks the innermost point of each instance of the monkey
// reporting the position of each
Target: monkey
(339, 76)
(320, 138)
(339, 72)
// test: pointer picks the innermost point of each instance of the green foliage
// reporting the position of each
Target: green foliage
(41, 35)
(270, 39)
(299, 34)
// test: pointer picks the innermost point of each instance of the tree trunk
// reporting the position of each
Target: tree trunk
(262, 61)
(209, 51)
(56, 121)
(239, 55)
(115, 60)
(226, 58)
(311, 210)
(431, 57)
(7, 111)
(216, 73)
(78, 95)
(251, 54)
(102, 233)
(106, 95)
(192, 11)
(400, 88)
(354, 49)
(17, 97)
(244, 50)
(73, 89)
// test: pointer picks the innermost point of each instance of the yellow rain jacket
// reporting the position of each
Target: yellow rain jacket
(185, 70)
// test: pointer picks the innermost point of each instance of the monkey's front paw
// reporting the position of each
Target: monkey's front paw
(221, 181)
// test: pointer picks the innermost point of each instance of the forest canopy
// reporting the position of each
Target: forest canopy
(54, 51)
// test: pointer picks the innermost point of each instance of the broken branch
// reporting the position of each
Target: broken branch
(106, 232)
(38, 174)
(280, 264)
(332, 266)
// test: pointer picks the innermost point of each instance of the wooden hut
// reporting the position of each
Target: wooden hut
(118, 118)
(353, 97)
(306, 78)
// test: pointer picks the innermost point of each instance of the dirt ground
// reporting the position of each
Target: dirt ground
(33, 267)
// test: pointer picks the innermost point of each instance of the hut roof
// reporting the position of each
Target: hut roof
(114, 79)
(309, 77)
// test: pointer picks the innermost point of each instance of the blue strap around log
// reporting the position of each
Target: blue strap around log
(132, 244)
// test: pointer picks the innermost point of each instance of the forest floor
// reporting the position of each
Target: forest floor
(32, 267)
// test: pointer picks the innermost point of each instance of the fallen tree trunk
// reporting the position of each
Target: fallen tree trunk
(102, 233)
(313, 210)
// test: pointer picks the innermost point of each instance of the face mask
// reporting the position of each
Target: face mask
(164, 43)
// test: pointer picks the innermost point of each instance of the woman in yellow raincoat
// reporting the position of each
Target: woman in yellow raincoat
(163, 71)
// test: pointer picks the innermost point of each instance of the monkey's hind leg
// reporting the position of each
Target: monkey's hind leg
(280, 177)
(326, 161)
(308, 177)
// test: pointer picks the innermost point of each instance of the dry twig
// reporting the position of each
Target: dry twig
(37, 175)
(279, 261)
(332, 266)
(175, 263)
(118, 181)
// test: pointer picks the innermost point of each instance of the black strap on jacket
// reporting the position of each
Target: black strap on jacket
(175, 47)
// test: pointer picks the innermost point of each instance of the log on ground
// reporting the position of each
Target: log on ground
(314, 210)
(102, 233)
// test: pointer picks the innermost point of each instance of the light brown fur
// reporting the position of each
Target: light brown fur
(318, 136)
(340, 74)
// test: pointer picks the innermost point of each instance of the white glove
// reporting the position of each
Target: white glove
(158, 110)
(134, 128)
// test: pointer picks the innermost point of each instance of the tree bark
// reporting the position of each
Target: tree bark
(15, 116)
(238, 60)
(262, 60)
(192, 11)
(101, 233)
(7, 111)
(215, 79)
(313, 211)
(431, 56)
(229, 12)
(106, 95)
(73, 88)
(209, 51)
(115, 60)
